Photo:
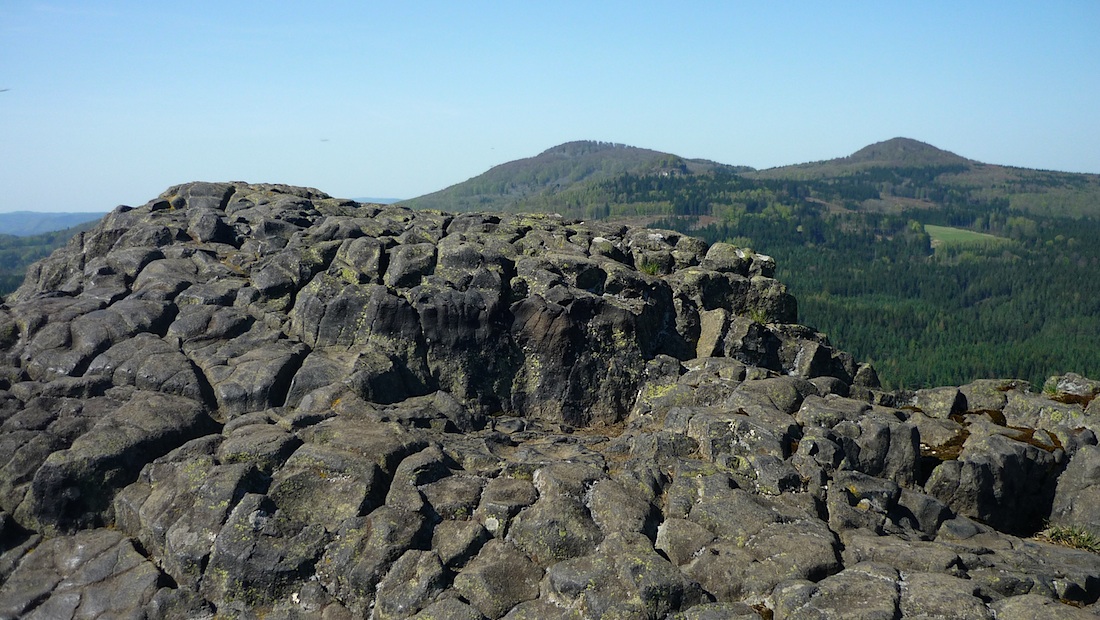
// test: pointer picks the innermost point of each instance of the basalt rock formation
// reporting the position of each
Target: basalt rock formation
(260, 401)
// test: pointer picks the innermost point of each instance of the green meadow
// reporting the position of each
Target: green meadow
(945, 236)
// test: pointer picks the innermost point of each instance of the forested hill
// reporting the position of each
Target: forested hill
(939, 269)
(510, 186)
(587, 179)
(902, 173)
(17, 253)
(895, 153)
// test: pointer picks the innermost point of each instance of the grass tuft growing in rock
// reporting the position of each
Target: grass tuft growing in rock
(1072, 536)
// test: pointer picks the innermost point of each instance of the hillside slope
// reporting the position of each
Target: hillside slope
(18, 253)
(511, 186)
(903, 161)
(893, 153)
(902, 152)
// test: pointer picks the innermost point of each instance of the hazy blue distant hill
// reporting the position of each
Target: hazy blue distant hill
(26, 223)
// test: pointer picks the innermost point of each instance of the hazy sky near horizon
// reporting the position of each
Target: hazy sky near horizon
(111, 102)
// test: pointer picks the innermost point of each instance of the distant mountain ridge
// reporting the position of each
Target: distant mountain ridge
(27, 223)
(587, 179)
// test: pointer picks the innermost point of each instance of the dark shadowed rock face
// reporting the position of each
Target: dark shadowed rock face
(257, 400)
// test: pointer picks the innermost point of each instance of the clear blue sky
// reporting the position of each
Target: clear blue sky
(111, 102)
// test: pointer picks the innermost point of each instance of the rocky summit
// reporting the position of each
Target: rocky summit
(261, 401)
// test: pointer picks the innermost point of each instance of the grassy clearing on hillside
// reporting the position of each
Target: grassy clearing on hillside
(945, 236)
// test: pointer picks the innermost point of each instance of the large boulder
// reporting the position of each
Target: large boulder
(1077, 497)
(74, 487)
(999, 480)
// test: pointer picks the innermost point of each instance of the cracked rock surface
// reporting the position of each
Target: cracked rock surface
(261, 401)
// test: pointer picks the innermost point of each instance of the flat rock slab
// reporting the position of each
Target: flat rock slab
(91, 574)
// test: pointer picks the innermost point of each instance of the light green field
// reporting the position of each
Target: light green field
(945, 236)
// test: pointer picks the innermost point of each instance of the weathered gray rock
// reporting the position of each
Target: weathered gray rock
(1073, 384)
(74, 487)
(720, 611)
(904, 555)
(935, 595)
(149, 363)
(881, 446)
(322, 485)
(554, 529)
(449, 609)
(458, 541)
(362, 551)
(261, 555)
(265, 446)
(625, 577)
(859, 501)
(920, 513)
(731, 570)
(682, 540)
(1034, 606)
(96, 573)
(1041, 412)
(284, 404)
(866, 590)
(803, 549)
(1077, 498)
(617, 509)
(940, 402)
(830, 410)
(1004, 482)
(728, 259)
(498, 579)
(502, 498)
(414, 581)
(180, 503)
(990, 394)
